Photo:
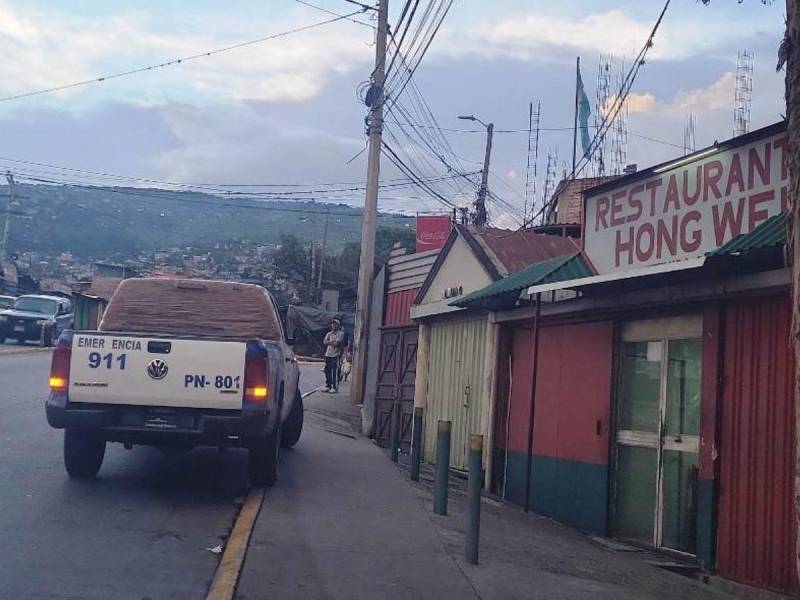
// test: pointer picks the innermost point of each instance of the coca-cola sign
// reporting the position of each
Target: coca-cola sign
(432, 231)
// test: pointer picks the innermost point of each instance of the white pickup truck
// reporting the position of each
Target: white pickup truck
(177, 364)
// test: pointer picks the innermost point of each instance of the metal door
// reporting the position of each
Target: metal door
(395, 394)
(657, 440)
(456, 384)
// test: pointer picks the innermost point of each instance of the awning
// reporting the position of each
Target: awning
(692, 263)
(770, 234)
(505, 292)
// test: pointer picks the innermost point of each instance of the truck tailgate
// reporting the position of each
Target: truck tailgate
(119, 369)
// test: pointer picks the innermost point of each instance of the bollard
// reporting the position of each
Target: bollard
(474, 484)
(394, 434)
(416, 443)
(442, 467)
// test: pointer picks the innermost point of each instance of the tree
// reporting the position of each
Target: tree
(789, 58)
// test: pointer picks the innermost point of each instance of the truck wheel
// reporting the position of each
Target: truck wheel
(293, 425)
(83, 453)
(262, 460)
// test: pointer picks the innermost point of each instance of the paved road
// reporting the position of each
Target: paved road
(139, 531)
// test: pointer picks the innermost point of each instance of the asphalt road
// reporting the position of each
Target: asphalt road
(140, 531)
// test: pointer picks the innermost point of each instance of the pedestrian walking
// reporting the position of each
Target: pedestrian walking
(333, 342)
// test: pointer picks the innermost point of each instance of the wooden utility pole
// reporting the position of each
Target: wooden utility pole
(367, 266)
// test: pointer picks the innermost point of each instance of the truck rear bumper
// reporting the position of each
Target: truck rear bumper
(159, 426)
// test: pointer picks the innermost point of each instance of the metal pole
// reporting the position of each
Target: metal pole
(416, 443)
(575, 122)
(442, 467)
(529, 461)
(480, 205)
(474, 497)
(7, 226)
(322, 254)
(367, 267)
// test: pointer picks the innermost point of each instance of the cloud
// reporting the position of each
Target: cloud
(50, 49)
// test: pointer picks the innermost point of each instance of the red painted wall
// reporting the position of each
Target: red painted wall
(573, 392)
(397, 311)
(756, 532)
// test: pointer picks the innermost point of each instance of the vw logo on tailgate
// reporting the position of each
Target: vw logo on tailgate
(157, 369)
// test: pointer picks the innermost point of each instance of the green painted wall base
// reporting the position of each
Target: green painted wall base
(572, 492)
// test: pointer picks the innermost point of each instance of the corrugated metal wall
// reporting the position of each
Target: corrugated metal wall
(456, 384)
(397, 311)
(756, 532)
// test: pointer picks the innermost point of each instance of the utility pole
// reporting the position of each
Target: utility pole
(7, 225)
(367, 265)
(322, 254)
(480, 205)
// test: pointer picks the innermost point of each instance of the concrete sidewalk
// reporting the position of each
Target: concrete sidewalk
(344, 522)
(341, 523)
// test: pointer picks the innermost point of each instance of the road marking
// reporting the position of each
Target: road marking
(307, 394)
(227, 576)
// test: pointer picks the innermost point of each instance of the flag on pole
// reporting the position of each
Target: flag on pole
(584, 110)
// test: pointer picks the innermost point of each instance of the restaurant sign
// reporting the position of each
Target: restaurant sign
(688, 207)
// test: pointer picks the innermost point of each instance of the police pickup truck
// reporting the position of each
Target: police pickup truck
(177, 364)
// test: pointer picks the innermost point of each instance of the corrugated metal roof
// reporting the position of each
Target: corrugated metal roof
(511, 251)
(769, 234)
(506, 291)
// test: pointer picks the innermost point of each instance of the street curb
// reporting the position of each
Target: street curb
(227, 576)
(310, 360)
(17, 351)
(314, 391)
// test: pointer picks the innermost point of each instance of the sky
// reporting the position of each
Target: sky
(287, 110)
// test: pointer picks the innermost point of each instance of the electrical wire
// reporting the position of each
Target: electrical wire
(183, 60)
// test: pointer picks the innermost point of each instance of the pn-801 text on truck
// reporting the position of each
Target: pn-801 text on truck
(178, 364)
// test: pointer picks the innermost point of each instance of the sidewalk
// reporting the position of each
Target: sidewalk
(344, 522)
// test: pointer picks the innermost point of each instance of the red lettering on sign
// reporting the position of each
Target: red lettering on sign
(666, 237)
(728, 224)
(672, 194)
(652, 186)
(620, 247)
(634, 202)
(754, 163)
(756, 215)
(616, 209)
(602, 211)
(712, 173)
(644, 252)
(690, 244)
(781, 144)
(735, 175)
(690, 199)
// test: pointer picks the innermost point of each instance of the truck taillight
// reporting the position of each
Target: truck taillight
(59, 365)
(256, 377)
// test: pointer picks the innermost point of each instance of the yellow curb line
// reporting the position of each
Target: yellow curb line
(227, 576)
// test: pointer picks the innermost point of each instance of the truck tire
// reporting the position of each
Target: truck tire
(83, 453)
(262, 460)
(293, 425)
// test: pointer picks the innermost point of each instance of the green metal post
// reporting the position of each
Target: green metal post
(416, 443)
(474, 484)
(442, 467)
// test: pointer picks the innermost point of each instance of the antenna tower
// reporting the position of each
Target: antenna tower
(619, 131)
(743, 93)
(688, 134)
(549, 182)
(533, 158)
(600, 110)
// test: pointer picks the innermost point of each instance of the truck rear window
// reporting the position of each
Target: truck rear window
(188, 307)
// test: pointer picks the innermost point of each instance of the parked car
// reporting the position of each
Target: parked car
(6, 301)
(177, 364)
(36, 317)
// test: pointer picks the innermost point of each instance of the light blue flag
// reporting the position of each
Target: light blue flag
(584, 110)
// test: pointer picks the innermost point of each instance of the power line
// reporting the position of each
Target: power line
(178, 61)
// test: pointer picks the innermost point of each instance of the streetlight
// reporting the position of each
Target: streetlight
(480, 203)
